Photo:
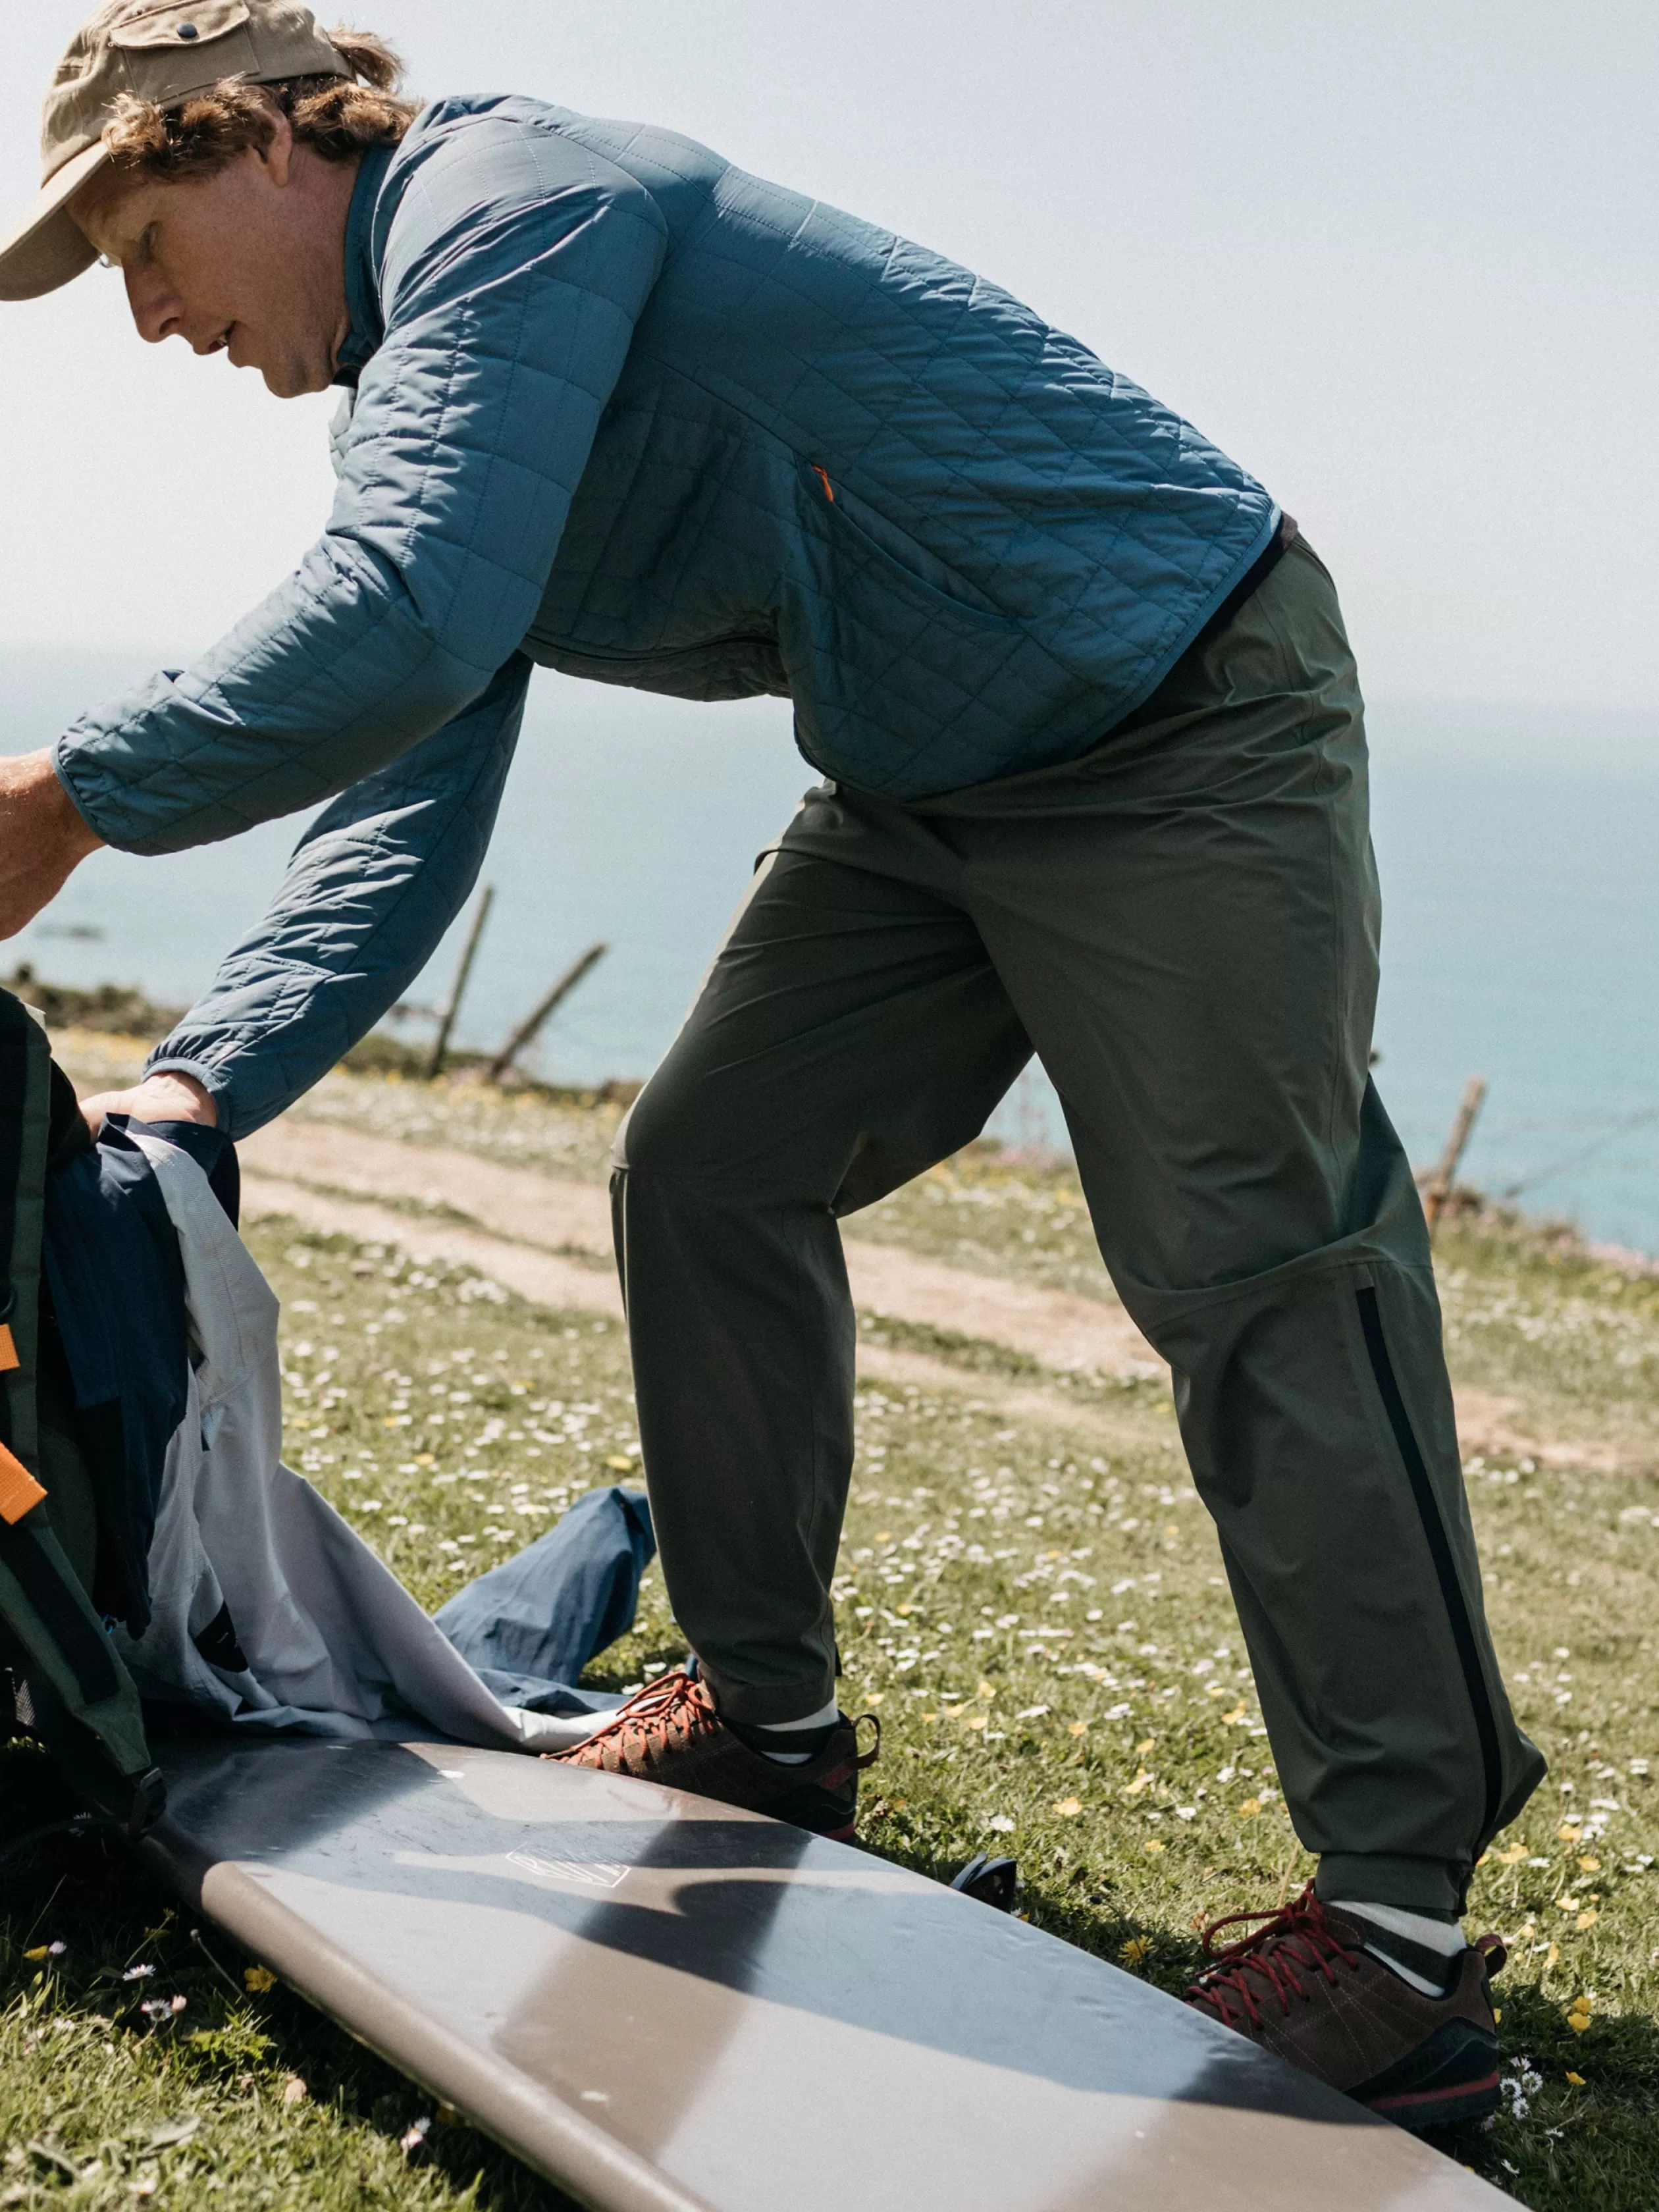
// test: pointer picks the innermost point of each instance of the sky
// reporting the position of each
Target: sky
(1400, 260)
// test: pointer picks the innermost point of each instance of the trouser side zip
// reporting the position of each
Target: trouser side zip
(1445, 1568)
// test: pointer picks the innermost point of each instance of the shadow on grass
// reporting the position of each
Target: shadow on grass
(109, 1912)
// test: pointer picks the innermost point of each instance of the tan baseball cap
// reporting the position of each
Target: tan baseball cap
(160, 50)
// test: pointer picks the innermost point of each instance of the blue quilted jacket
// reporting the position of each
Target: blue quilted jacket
(621, 409)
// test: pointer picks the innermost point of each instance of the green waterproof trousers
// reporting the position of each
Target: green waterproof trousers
(1183, 926)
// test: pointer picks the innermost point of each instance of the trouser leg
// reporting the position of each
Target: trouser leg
(1187, 927)
(850, 1032)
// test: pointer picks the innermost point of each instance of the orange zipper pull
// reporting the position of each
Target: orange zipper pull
(822, 478)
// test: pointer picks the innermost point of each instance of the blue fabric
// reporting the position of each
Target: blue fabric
(628, 412)
(372, 887)
(530, 1626)
(117, 1284)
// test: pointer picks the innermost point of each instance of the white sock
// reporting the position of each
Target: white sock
(1414, 1933)
(825, 1717)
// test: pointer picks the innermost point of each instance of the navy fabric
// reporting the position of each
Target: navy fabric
(530, 1626)
(214, 1153)
(117, 1285)
(116, 1280)
(623, 409)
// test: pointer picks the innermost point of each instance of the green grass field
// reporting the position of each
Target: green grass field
(1035, 1607)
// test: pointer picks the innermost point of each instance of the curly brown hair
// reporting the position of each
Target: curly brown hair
(339, 117)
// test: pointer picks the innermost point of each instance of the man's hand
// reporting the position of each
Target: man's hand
(42, 837)
(169, 1097)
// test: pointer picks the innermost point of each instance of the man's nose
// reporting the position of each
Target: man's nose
(156, 309)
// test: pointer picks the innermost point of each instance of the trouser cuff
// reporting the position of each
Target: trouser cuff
(769, 1705)
(1378, 1878)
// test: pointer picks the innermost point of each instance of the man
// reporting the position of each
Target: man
(1094, 786)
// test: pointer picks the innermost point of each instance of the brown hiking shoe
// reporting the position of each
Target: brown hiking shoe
(670, 1732)
(1305, 1987)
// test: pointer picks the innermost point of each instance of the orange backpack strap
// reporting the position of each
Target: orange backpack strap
(19, 1494)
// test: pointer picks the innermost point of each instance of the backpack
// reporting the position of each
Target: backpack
(70, 1688)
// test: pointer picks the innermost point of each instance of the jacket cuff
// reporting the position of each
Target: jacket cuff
(62, 753)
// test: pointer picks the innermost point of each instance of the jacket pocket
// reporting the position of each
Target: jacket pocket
(902, 683)
(867, 534)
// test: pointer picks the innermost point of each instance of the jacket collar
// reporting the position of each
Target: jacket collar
(362, 286)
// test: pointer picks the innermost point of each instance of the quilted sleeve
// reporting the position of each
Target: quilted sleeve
(371, 889)
(511, 276)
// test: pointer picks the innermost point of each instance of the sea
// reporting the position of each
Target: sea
(1517, 846)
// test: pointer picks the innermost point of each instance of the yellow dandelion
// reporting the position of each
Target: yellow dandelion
(1590, 1866)
(1077, 1728)
(426, 1459)
(1587, 1919)
(258, 1978)
(988, 1690)
(1249, 1808)
(1145, 1745)
(1577, 2079)
(40, 1952)
(1570, 1832)
(1069, 1808)
(1513, 1857)
(1135, 1950)
(1233, 1718)
(1554, 1957)
(1133, 1789)
(977, 1721)
(1152, 1847)
(620, 1462)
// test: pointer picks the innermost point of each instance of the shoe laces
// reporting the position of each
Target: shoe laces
(646, 1723)
(1296, 1939)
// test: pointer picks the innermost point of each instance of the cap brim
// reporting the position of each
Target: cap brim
(46, 248)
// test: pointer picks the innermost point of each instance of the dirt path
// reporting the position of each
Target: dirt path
(516, 1210)
(574, 1286)
(548, 1240)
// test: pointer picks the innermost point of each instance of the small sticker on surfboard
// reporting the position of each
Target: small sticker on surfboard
(595, 1873)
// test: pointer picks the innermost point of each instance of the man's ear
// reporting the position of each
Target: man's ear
(277, 153)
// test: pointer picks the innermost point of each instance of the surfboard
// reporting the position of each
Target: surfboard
(666, 2005)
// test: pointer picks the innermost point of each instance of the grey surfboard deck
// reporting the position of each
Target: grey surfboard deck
(666, 2006)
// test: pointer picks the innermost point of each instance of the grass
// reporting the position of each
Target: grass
(1035, 1610)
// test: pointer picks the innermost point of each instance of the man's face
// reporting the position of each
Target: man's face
(249, 262)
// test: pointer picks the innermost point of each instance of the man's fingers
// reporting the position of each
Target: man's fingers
(171, 1096)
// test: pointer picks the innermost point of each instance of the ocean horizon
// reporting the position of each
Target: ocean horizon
(1515, 845)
